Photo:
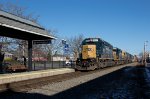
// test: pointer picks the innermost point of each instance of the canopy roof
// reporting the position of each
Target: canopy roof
(16, 27)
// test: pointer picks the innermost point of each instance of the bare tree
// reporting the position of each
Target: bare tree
(5, 42)
(75, 45)
(141, 54)
(18, 11)
(47, 50)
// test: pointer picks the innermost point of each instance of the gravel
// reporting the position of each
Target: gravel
(55, 88)
(120, 82)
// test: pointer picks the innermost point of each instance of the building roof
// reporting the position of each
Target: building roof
(17, 27)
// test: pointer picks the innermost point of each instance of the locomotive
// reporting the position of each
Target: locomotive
(97, 53)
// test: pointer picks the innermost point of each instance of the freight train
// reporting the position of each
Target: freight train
(97, 53)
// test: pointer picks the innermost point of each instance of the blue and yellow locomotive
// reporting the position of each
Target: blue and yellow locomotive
(97, 53)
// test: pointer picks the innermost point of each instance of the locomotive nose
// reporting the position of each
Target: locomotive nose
(88, 51)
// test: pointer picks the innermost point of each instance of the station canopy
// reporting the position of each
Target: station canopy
(17, 27)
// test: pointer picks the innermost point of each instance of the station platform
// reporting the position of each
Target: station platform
(15, 77)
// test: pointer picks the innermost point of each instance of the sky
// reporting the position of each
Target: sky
(123, 23)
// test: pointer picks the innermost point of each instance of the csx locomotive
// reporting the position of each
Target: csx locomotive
(97, 53)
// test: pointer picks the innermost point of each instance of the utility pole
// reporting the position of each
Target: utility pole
(144, 54)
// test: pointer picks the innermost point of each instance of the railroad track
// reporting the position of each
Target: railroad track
(24, 86)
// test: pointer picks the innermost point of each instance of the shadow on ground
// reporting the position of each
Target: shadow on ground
(120, 84)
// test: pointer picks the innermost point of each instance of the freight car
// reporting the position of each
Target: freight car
(97, 53)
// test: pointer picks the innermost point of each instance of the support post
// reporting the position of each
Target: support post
(29, 55)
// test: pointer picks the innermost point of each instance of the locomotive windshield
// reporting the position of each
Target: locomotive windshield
(94, 41)
(91, 40)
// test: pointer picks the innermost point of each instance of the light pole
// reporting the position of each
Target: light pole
(63, 43)
(145, 44)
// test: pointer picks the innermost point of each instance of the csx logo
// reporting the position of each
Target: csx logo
(89, 49)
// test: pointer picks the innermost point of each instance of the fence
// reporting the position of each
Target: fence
(36, 65)
(50, 65)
